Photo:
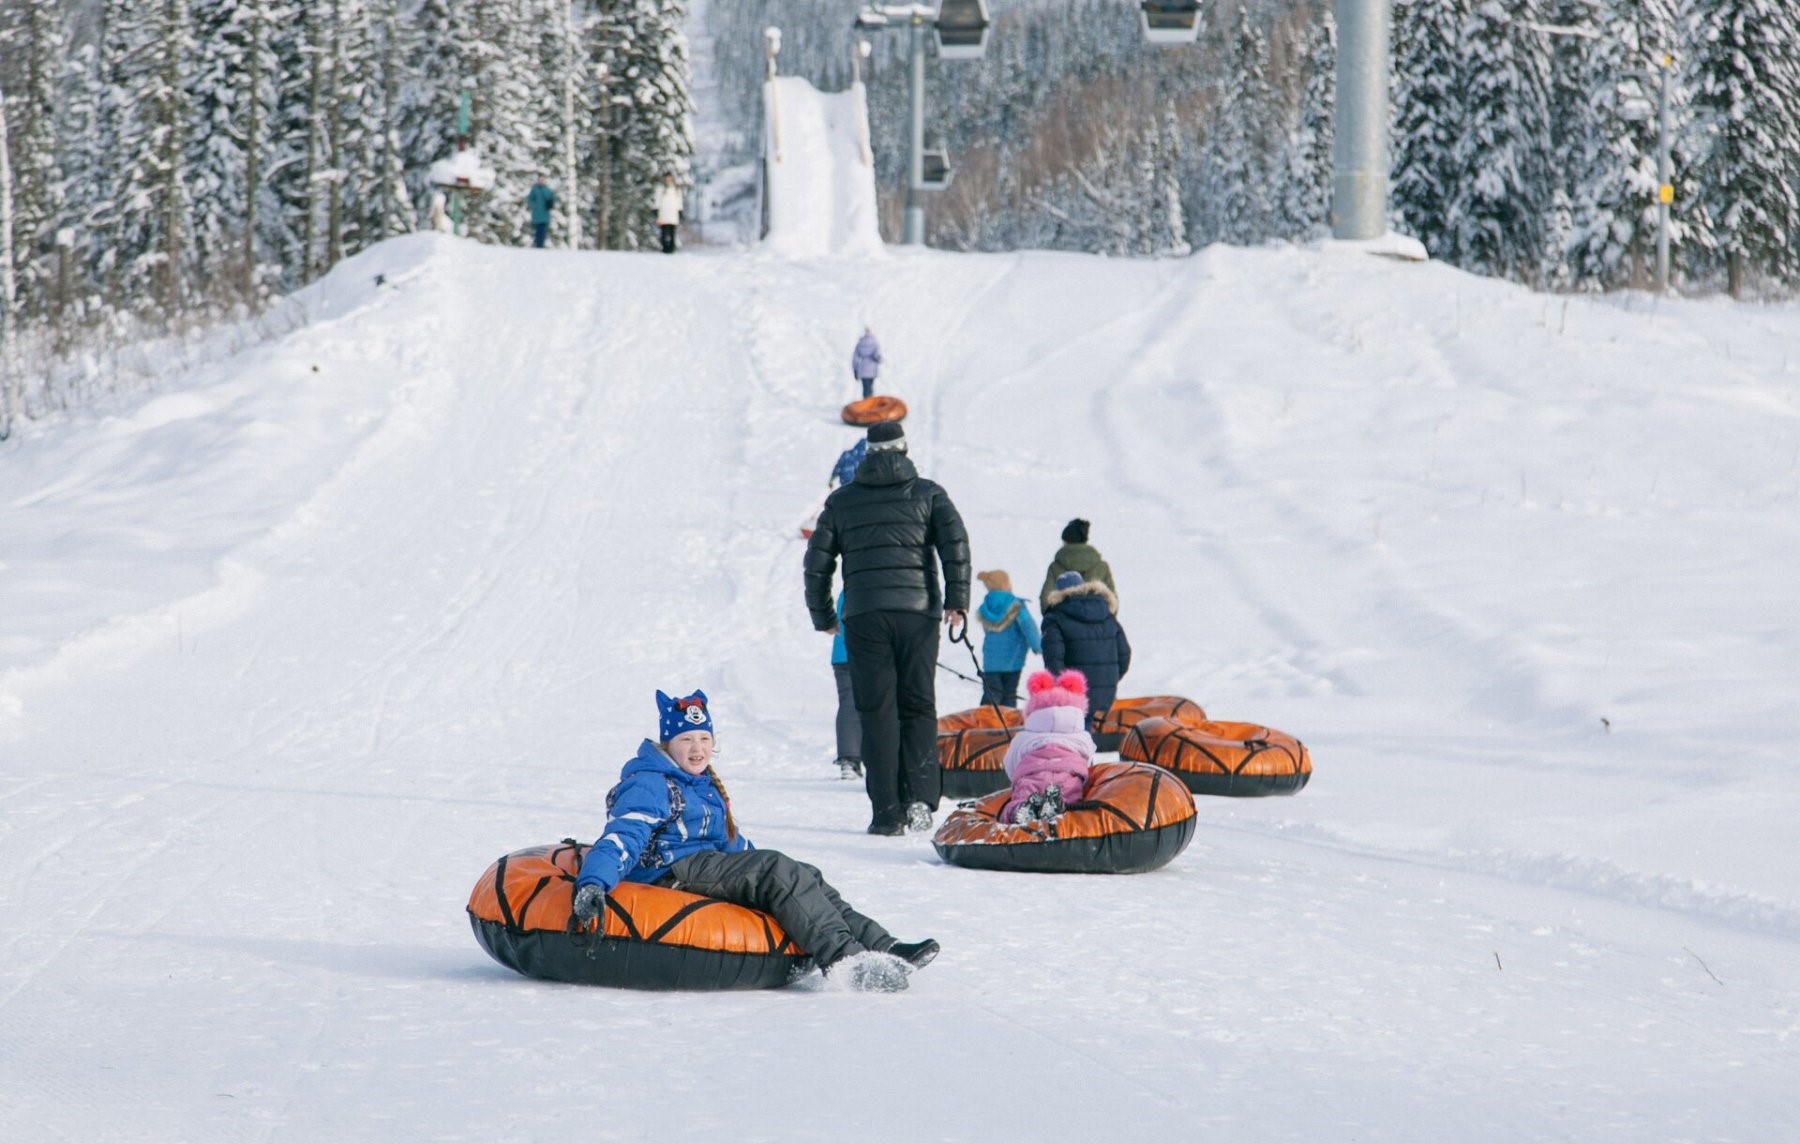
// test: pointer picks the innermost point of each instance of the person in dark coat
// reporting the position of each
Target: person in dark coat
(538, 201)
(1080, 631)
(1077, 555)
(892, 529)
(669, 823)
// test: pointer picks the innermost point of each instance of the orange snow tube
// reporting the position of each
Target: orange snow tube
(1132, 817)
(875, 410)
(1125, 714)
(655, 938)
(1241, 760)
(971, 748)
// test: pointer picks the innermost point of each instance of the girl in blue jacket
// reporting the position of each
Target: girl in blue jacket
(1008, 633)
(668, 822)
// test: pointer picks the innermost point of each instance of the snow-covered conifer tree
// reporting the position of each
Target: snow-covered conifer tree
(32, 108)
(1243, 150)
(647, 121)
(1427, 118)
(1746, 73)
(1303, 186)
(1610, 135)
(1503, 184)
(147, 90)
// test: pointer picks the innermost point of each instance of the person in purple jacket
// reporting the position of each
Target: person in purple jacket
(865, 361)
(669, 823)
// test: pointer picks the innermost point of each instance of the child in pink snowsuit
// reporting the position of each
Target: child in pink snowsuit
(1048, 760)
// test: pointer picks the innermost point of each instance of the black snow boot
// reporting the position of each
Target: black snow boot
(917, 954)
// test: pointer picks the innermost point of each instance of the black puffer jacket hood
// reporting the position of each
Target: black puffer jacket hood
(892, 528)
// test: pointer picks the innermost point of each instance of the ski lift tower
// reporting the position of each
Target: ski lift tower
(1359, 155)
(960, 28)
(462, 173)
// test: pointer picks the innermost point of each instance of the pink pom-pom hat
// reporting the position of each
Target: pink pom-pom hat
(1066, 690)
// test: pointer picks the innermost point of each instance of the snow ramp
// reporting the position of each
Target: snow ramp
(821, 174)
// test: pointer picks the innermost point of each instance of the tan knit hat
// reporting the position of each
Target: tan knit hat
(996, 581)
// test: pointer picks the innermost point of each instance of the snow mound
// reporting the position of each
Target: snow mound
(821, 184)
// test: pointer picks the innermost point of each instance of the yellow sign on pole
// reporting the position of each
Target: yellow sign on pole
(1665, 194)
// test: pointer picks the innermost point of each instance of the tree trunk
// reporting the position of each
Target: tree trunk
(334, 189)
(253, 149)
(308, 195)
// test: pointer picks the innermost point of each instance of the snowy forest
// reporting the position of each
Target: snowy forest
(171, 162)
(1524, 139)
(177, 161)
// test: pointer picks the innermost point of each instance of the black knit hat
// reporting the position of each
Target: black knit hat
(1075, 532)
(887, 435)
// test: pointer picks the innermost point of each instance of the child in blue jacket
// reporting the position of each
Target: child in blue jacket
(669, 822)
(848, 724)
(1009, 632)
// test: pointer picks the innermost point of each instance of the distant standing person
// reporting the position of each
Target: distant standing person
(668, 212)
(1009, 632)
(1081, 632)
(1077, 555)
(865, 361)
(539, 201)
(893, 528)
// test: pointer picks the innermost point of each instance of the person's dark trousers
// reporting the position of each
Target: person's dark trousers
(796, 894)
(868, 384)
(849, 723)
(539, 232)
(1000, 687)
(667, 231)
(893, 666)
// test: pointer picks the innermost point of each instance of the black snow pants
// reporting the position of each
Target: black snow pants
(893, 665)
(794, 893)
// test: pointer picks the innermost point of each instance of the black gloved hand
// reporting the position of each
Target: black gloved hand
(590, 907)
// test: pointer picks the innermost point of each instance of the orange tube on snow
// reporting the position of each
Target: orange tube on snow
(1240, 760)
(874, 410)
(1132, 817)
(654, 938)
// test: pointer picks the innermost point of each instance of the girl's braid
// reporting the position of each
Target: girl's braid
(730, 822)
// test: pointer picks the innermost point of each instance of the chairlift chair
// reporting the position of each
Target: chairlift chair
(937, 171)
(1170, 21)
(961, 28)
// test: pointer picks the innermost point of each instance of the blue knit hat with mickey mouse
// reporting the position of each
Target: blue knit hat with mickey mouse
(675, 716)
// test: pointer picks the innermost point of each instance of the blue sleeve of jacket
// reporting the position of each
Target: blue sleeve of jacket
(1053, 646)
(1029, 626)
(642, 805)
(1124, 652)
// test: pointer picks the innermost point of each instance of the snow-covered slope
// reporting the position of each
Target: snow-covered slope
(293, 650)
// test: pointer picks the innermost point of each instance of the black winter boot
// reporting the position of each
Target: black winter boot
(917, 954)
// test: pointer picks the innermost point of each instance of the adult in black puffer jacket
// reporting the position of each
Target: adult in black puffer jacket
(892, 528)
(1081, 632)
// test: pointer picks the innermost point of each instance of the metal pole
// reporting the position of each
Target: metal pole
(914, 231)
(1359, 156)
(1665, 192)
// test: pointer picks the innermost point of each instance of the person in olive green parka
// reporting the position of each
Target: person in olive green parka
(1076, 555)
